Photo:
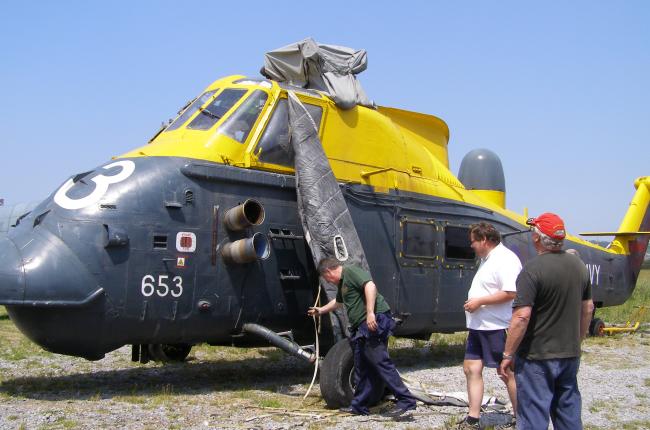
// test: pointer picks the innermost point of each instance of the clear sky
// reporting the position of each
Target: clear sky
(559, 90)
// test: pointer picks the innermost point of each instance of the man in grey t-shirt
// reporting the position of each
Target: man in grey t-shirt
(550, 318)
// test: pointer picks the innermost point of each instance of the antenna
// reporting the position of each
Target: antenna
(515, 232)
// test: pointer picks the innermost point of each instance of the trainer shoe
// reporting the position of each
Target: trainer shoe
(465, 425)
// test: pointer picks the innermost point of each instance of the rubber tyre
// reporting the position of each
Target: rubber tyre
(168, 353)
(596, 327)
(337, 377)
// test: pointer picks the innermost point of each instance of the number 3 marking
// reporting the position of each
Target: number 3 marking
(101, 186)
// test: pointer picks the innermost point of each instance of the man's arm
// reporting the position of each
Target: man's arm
(370, 291)
(518, 326)
(329, 307)
(493, 299)
(585, 317)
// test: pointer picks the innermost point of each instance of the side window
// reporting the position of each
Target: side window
(275, 146)
(457, 243)
(238, 126)
(190, 110)
(419, 239)
(209, 115)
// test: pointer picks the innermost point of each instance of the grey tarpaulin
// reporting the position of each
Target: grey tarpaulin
(325, 217)
(326, 220)
(328, 68)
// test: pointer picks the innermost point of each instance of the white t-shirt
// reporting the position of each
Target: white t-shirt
(498, 272)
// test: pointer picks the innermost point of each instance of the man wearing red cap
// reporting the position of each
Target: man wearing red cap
(550, 318)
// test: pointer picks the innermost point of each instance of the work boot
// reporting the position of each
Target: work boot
(352, 411)
(397, 411)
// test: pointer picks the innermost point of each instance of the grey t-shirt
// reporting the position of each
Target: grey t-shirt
(554, 284)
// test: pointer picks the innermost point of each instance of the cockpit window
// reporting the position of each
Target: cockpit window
(239, 124)
(275, 146)
(191, 109)
(209, 115)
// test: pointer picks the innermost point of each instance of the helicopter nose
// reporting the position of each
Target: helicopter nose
(41, 270)
(12, 275)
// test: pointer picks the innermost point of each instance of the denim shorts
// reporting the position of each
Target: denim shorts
(486, 345)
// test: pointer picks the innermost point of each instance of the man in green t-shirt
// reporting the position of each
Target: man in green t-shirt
(371, 325)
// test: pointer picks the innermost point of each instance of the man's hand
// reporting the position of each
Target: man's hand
(325, 309)
(507, 365)
(371, 321)
(472, 304)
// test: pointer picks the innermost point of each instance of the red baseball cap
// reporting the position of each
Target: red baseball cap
(549, 224)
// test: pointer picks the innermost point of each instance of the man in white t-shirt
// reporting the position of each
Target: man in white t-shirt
(488, 310)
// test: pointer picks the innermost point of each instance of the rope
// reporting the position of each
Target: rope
(316, 329)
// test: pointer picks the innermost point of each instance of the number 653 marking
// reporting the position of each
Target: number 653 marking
(161, 288)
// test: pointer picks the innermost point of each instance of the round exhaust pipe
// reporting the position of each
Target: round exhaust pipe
(246, 250)
(251, 212)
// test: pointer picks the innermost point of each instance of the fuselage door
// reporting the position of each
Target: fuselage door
(419, 258)
(459, 265)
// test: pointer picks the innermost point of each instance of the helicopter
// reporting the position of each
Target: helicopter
(195, 237)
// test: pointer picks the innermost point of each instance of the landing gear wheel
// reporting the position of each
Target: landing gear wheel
(337, 377)
(169, 352)
(597, 327)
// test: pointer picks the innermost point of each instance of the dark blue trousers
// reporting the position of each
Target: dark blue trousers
(548, 388)
(373, 365)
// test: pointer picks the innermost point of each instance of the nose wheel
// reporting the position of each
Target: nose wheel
(161, 352)
(337, 381)
(169, 352)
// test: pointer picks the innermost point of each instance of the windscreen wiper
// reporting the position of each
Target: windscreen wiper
(205, 111)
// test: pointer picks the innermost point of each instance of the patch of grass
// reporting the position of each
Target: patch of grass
(641, 296)
(133, 399)
(263, 399)
(634, 425)
(163, 397)
(598, 406)
(12, 417)
(65, 423)
(271, 403)
(274, 354)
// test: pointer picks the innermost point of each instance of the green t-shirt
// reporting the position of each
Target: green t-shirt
(351, 294)
(554, 284)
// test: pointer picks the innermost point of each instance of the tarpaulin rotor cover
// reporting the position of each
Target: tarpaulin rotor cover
(327, 68)
(326, 220)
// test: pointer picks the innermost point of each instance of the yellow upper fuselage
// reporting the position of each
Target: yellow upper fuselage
(385, 148)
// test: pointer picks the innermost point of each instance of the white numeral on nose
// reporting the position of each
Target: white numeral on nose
(101, 186)
(161, 288)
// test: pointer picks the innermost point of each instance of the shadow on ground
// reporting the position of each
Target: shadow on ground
(180, 378)
(199, 377)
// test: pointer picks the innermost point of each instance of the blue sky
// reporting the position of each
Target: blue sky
(559, 90)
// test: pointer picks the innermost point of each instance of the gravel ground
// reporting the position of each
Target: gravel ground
(262, 389)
